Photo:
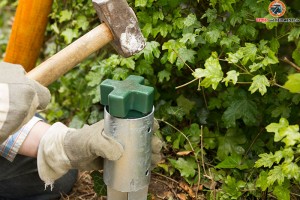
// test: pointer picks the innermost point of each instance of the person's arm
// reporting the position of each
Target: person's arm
(32, 141)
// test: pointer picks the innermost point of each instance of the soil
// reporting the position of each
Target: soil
(161, 187)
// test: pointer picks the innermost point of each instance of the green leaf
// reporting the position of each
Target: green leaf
(270, 59)
(190, 20)
(164, 74)
(234, 57)
(231, 143)
(231, 162)
(242, 108)
(185, 166)
(188, 37)
(293, 83)
(294, 34)
(144, 67)
(82, 22)
(212, 36)
(291, 170)
(172, 46)
(256, 66)
(290, 135)
(157, 15)
(226, 5)
(163, 29)
(262, 181)
(147, 30)
(141, 3)
(151, 51)
(213, 72)
(247, 31)
(128, 62)
(230, 41)
(186, 104)
(266, 160)
(99, 185)
(69, 35)
(120, 73)
(210, 14)
(282, 192)
(260, 83)
(233, 187)
(249, 52)
(65, 15)
(274, 175)
(184, 56)
(232, 76)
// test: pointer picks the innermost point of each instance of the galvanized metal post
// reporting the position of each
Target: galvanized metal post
(128, 178)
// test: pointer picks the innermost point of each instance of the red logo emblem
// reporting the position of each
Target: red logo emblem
(277, 8)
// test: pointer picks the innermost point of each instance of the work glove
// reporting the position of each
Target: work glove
(20, 97)
(62, 148)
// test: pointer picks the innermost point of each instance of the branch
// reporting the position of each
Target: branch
(286, 60)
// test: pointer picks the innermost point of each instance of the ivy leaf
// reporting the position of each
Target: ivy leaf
(226, 5)
(172, 46)
(266, 160)
(232, 76)
(229, 41)
(144, 67)
(282, 110)
(151, 50)
(156, 16)
(234, 57)
(242, 108)
(296, 55)
(260, 83)
(262, 181)
(246, 31)
(164, 74)
(290, 135)
(270, 59)
(99, 185)
(163, 29)
(141, 3)
(65, 15)
(231, 143)
(212, 36)
(249, 52)
(120, 73)
(185, 166)
(147, 30)
(185, 55)
(186, 104)
(128, 62)
(282, 192)
(274, 175)
(82, 22)
(210, 14)
(291, 170)
(231, 162)
(69, 35)
(190, 20)
(294, 34)
(293, 83)
(233, 187)
(191, 37)
(256, 66)
(213, 72)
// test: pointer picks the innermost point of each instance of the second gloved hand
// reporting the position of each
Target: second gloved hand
(63, 148)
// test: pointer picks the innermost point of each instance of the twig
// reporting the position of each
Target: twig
(286, 60)
(254, 140)
(182, 60)
(165, 177)
(202, 154)
(186, 83)
(193, 150)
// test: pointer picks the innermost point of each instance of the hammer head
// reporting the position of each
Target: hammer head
(120, 18)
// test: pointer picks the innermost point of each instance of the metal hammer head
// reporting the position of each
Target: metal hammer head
(120, 18)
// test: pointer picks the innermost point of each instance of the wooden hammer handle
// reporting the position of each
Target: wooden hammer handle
(63, 61)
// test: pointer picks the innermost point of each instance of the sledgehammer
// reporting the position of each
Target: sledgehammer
(119, 26)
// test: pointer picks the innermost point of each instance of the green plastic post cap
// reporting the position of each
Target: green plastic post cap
(127, 98)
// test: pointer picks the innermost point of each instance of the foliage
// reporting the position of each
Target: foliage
(220, 78)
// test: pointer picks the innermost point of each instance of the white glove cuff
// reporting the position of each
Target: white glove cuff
(52, 160)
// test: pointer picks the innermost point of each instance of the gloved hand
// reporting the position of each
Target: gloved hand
(20, 97)
(63, 148)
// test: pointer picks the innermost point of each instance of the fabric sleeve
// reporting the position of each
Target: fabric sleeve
(10, 147)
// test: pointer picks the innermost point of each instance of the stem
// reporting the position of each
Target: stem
(193, 150)
(180, 86)
(286, 60)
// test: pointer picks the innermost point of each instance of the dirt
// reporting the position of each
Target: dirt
(160, 188)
